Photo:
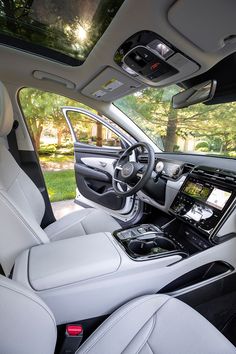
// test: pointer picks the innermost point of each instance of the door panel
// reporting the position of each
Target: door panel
(94, 179)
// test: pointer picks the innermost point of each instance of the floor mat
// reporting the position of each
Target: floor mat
(229, 330)
(221, 312)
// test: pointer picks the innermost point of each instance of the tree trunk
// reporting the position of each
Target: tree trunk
(170, 139)
(37, 137)
(59, 137)
(99, 134)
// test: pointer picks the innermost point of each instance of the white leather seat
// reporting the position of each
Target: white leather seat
(155, 324)
(22, 206)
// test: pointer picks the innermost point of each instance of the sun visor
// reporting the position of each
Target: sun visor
(208, 24)
(110, 85)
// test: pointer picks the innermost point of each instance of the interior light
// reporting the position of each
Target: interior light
(161, 48)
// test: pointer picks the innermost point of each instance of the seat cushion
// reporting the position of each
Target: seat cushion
(156, 324)
(81, 222)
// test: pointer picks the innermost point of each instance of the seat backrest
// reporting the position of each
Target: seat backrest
(27, 326)
(21, 203)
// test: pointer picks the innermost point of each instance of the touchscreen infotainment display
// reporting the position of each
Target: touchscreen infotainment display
(210, 195)
(197, 190)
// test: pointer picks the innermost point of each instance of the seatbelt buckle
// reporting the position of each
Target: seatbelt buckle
(73, 339)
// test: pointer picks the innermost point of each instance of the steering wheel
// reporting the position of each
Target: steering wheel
(130, 176)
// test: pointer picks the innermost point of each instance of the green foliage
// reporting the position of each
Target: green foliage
(202, 146)
(42, 111)
(151, 110)
(60, 184)
(58, 24)
(53, 149)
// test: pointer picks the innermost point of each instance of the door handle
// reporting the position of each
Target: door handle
(103, 164)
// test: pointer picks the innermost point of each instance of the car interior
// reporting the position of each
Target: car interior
(148, 264)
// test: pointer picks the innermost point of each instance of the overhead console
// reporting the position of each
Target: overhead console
(152, 60)
(205, 198)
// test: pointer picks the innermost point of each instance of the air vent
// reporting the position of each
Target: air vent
(143, 158)
(188, 167)
(216, 174)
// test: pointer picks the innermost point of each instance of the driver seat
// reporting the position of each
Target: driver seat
(22, 206)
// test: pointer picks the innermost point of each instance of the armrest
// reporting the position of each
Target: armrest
(68, 261)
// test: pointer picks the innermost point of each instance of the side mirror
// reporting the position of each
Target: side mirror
(200, 93)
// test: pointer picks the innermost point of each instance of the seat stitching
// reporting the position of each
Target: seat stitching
(10, 185)
(116, 320)
(18, 215)
(149, 346)
(82, 225)
(147, 336)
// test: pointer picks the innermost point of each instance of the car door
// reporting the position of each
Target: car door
(98, 145)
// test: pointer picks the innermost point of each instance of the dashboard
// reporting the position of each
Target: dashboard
(200, 191)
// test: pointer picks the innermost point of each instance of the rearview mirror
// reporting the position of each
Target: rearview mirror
(200, 93)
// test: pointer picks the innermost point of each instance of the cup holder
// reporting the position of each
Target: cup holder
(159, 244)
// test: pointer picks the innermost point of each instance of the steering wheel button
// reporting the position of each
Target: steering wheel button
(141, 230)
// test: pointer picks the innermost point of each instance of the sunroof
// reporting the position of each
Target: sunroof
(62, 30)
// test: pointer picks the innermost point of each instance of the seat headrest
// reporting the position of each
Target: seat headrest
(6, 112)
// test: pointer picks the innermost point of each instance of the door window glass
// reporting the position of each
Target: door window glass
(89, 131)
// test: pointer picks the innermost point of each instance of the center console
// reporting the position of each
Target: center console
(205, 199)
(147, 241)
(200, 207)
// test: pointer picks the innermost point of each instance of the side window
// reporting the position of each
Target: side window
(91, 132)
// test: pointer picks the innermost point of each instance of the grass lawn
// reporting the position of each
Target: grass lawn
(60, 184)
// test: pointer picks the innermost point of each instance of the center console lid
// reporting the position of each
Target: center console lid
(72, 260)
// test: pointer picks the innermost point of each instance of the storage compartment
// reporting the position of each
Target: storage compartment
(71, 261)
(149, 247)
(195, 276)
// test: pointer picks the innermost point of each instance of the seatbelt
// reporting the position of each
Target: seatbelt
(12, 142)
(2, 271)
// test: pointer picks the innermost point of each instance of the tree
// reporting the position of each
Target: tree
(37, 112)
(151, 110)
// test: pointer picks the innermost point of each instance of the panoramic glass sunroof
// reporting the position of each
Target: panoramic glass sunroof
(63, 30)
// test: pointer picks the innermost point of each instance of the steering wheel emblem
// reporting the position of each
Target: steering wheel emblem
(127, 170)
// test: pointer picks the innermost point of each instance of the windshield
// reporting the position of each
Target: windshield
(199, 129)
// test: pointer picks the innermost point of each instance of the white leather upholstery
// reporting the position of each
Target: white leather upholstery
(156, 324)
(82, 222)
(21, 210)
(27, 326)
(6, 111)
(81, 261)
(22, 206)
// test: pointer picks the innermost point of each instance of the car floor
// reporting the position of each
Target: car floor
(221, 312)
